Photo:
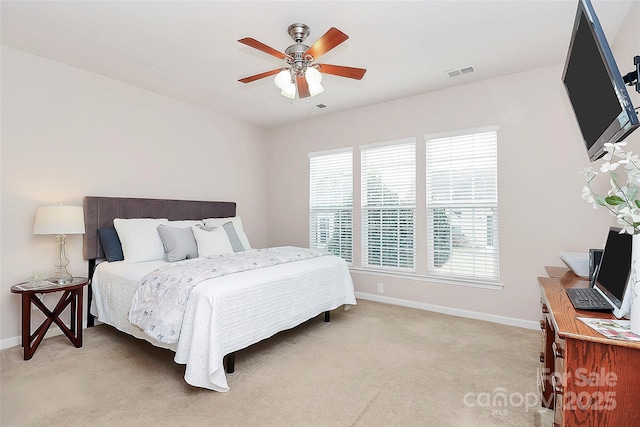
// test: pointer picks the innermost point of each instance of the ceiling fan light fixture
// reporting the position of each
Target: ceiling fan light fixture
(289, 90)
(315, 89)
(313, 76)
(283, 79)
(301, 73)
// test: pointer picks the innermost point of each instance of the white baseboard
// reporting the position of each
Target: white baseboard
(52, 332)
(510, 321)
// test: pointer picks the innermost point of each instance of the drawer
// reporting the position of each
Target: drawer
(559, 379)
(547, 362)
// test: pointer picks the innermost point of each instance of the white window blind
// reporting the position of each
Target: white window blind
(388, 205)
(462, 206)
(331, 202)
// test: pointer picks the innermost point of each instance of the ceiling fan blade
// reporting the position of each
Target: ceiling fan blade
(260, 76)
(263, 47)
(328, 41)
(303, 86)
(339, 70)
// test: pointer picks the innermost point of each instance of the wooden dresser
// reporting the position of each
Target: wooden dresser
(587, 379)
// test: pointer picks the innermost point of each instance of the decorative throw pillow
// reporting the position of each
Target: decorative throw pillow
(211, 241)
(110, 244)
(182, 223)
(237, 224)
(234, 239)
(140, 239)
(179, 243)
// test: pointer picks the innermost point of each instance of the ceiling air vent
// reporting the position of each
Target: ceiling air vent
(461, 71)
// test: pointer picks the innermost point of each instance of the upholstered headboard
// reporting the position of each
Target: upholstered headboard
(101, 211)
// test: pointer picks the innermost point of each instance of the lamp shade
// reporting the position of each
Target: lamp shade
(313, 76)
(289, 91)
(59, 219)
(283, 79)
(315, 89)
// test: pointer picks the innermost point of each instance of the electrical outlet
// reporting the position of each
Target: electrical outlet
(380, 288)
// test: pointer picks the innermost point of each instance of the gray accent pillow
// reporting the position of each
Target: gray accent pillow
(179, 243)
(236, 244)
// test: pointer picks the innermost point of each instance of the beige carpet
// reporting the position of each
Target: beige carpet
(374, 365)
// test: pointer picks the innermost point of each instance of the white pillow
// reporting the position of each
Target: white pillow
(185, 223)
(140, 239)
(212, 242)
(237, 224)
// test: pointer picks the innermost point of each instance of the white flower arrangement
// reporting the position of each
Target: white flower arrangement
(622, 200)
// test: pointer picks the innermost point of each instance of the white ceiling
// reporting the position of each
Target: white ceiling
(188, 50)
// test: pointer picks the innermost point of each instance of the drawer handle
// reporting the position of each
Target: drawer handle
(557, 385)
(545, 309)
(543, 325)
(557, 350)
(541, 357)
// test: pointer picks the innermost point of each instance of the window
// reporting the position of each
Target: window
(388, 204)
(331, 202)
(462, 205)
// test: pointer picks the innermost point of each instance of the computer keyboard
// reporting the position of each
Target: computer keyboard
(588, 299)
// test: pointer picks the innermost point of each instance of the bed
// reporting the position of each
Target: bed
(222, 314)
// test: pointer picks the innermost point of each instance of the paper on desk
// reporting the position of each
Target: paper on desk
(611, 328)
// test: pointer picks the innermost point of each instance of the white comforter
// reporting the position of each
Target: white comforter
(159, 303)
(229, 313)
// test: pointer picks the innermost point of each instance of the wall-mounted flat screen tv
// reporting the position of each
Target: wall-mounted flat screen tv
(595, 86)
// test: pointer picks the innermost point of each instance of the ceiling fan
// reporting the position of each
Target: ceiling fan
(302, 71)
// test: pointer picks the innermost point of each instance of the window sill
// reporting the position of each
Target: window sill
(431, 279)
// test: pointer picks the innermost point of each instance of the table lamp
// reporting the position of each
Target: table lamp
(60, 220)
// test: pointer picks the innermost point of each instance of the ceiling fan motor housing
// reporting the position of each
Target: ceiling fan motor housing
(298, 32)
(297, 51)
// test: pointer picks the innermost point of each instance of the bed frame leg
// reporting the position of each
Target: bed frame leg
(231, 363)
(90, 317)
(327, 316)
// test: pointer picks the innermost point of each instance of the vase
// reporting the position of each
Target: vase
(634, 285)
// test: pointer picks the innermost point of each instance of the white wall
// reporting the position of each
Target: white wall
(540, 155)
(67, 133)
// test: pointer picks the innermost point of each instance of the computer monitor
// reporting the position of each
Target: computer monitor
(614, 270)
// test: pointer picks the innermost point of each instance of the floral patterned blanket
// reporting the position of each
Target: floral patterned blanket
(159, 301)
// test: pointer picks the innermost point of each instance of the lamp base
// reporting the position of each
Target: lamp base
(61, 277)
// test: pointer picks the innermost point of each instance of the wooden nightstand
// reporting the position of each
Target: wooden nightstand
(71, 295)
